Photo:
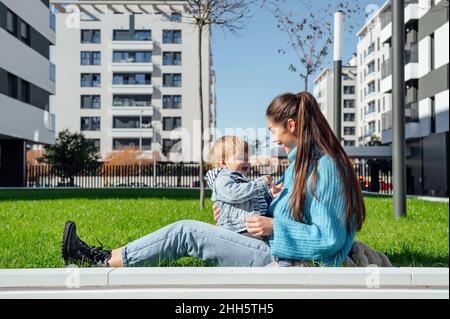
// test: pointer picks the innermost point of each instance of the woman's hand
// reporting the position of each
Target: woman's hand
(216, 211)
(260, 226)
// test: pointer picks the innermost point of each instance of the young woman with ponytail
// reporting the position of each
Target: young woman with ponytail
(313, 220)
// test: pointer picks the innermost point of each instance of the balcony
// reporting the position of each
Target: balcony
(132, 111)
(370, 111)
(412, 129)
(369, 133)
(411, 13)
(128, 126)
(411, 69)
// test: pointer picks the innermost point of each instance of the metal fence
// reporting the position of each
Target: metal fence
(373, 178)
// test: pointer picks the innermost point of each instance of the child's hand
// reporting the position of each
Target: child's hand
(275, 190)
(268, 179)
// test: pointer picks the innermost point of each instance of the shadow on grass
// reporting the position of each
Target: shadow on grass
(415, 259)
(46, 194)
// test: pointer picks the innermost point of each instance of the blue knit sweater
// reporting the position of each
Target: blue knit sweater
(322, 236)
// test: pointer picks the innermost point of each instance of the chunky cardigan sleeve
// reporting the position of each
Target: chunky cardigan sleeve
(326, 232)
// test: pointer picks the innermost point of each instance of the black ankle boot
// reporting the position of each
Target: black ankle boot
(76, 251)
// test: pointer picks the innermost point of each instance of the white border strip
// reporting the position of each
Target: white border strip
(233, 283)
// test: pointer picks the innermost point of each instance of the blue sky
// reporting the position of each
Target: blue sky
(250, 72)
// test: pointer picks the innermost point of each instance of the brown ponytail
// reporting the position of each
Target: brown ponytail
(314, 134)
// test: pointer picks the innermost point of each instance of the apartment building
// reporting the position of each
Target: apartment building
(427, 93)
(128, 76)
(371, 101)
(27, 81)
(323, 92)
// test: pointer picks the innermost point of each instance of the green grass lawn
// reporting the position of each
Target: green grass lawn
(32, 222)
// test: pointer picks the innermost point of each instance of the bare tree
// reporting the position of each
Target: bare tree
(229, 15)
(310, 33)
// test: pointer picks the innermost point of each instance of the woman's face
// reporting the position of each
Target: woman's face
(283, 135)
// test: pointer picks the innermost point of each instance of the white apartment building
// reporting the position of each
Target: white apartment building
(427, 93)
(26, 84)
(371, 101)
(323, 92)
(128, 76)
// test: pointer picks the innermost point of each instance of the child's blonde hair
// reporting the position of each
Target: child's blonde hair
(226, 147)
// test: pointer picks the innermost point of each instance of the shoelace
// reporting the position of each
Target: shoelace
(95, 253)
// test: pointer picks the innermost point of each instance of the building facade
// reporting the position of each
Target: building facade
(371, 101)
(27, 81)
(128, 77)
(323, 92)
(427, 93)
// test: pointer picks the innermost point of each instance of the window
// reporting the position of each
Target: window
(12, 86)
(346, 77)
(121, 143)
(171, 146)
(175, 17)
(90, 101)
(128, 100)
(349, 117)
(24, 32)
(349, 104)
(17, 27)
(172, 36)
(146, 144)
(349, 89)
(433, 115)
(132, 78)
(370, 129)
(90, 123)
(370, 108)
(90, 80)
(432, 52)
(371, 48)
(132, 56)
(171, 123)
(146, 122)
(90, 58)
(349, 130)
(18, 88)
(371, 68)
(90, 36)
(349, 143)
(171, 101)
(11, 22)
(128, 35)
(171, 58)
(125, 122)
(172, 80)
(132, 122)
(370, 88)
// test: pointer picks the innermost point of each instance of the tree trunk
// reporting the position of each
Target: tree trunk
(200, 91)
(306, 83)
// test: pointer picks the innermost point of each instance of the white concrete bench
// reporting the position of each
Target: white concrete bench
(235, 283)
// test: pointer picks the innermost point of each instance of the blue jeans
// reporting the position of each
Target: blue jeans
(197, 239)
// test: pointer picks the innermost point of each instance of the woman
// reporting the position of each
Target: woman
(314, 219)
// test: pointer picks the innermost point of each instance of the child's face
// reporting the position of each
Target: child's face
(238, 163)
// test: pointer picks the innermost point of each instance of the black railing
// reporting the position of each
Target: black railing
(174, 175)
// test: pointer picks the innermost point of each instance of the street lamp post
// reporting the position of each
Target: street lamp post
(398, 108)
(337, 57)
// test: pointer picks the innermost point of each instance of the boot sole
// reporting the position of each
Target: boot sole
(68, 231)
